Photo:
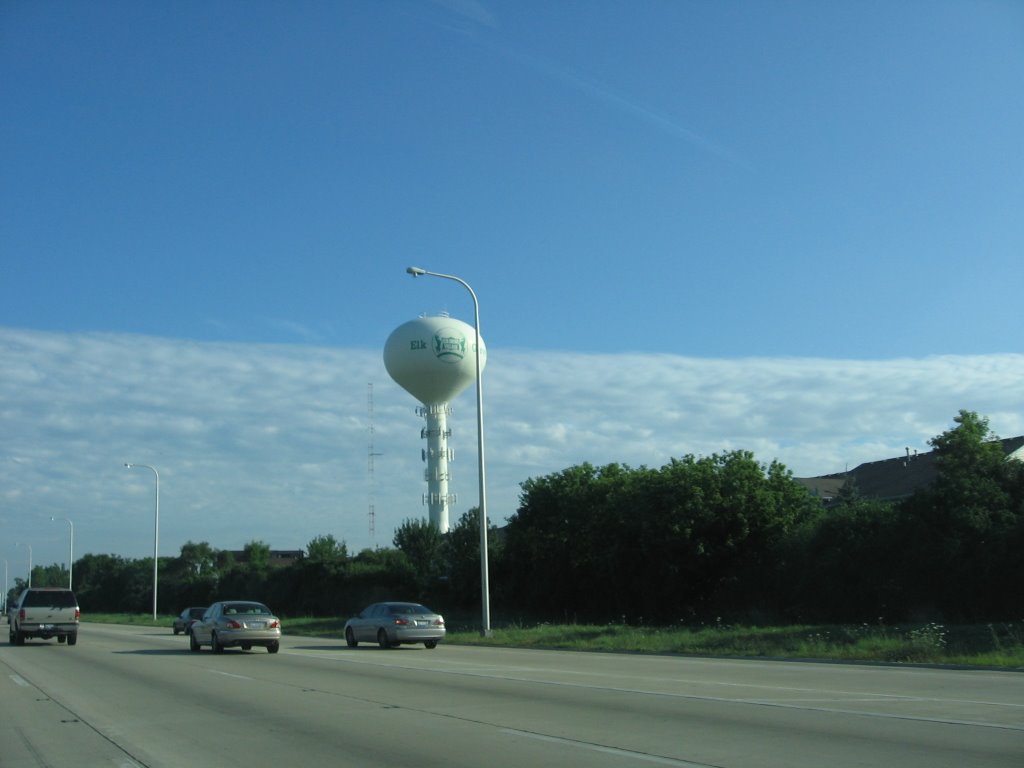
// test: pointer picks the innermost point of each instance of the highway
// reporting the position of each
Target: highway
(134, 696)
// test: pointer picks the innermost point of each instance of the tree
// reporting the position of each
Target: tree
(316, 584)
(257, 555)
(550, 541)
(326, 549)
(191, 578)
(423, 545)
(197, 560)
(463, 557)
(972, 472)
(651, 545)
(52, 575)
(844, 565)
(960, 559)
(715, 526)
(106, 583)
(379, 574)
(251, 576)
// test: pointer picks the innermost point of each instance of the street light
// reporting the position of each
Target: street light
(71, 550)
(156, 527)
(29, 562)
(5, 585)
(484, 588)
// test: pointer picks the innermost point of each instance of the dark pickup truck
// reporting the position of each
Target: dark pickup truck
(45, 613)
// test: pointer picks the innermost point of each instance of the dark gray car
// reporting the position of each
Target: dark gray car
(184, 619)
(395, 623)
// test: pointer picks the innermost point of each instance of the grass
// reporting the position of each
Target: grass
(997, 645)
(991, 645)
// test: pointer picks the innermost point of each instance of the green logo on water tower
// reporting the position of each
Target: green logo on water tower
(449, 345)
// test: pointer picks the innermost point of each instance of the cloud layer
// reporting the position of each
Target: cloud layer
(273, 443)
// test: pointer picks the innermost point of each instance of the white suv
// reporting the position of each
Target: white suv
(45, 613)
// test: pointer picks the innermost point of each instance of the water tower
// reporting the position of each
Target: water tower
(433, 358)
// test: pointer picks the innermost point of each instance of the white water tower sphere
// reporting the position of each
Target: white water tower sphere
(433, 358)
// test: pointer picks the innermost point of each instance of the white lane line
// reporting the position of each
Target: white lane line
(20, 681)
(230, 674)
(610, 750)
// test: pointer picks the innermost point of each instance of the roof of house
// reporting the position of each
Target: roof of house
(894, 478)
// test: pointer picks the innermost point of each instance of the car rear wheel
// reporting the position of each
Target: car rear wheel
(274, 647)
(350, 638)
(430, 643)
(73, 638)
(215, 644)
(193, 645)
(382, 638)
(19, 637)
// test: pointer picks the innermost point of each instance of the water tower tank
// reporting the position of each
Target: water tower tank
(434, 358)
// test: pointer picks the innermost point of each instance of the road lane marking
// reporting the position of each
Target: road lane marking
(230, 674)
(20, 681)
(610, 750)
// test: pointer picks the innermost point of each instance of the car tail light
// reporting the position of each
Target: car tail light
(21, 615)
(274, 624)
(401, 621)
(439, 621)
(78, 614)
(234, 624)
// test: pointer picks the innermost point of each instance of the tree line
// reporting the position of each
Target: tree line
(722, 537)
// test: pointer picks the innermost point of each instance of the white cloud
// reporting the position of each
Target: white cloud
(272, 442)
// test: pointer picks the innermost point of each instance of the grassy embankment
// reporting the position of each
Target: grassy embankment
(999, 645)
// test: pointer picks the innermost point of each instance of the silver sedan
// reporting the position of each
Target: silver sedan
(236, 623)
(393, 624)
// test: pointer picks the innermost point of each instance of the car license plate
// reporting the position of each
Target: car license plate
(257, 624)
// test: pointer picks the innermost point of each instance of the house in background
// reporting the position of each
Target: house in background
(892, 479)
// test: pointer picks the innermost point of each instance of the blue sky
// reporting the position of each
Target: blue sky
(789, 227)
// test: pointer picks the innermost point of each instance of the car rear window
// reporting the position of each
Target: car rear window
(249, 608)
(408, 608)
(55, 599)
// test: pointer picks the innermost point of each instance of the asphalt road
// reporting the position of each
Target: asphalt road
(130, 697)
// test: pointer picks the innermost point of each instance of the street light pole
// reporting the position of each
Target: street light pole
(481, 470)
(71, 550)
(156, 528)
(29, 562)
(5, 585)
